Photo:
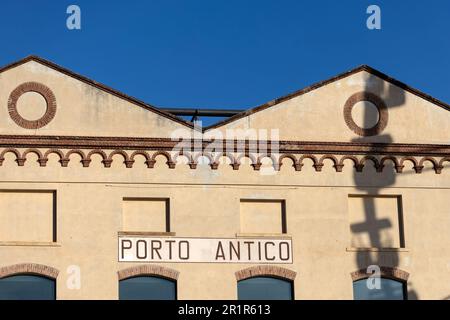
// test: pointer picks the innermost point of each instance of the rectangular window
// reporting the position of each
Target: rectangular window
(146, 215)
(376, 221)
(27, 216)
(263, 216)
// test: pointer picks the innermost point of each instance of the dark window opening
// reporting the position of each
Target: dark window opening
(27, 287)
(147, 288)
(265, 288)
(388, 289)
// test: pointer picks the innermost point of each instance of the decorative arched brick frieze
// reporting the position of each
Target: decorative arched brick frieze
(250, 156)
(165, 154)
(429, 159)
(75, 151)
(29, 268)
(338, 163)
(100, 152)
(35, 151)
(120, 152)
(265, 270)
(32, 87)
(12, 150)
(355, 161)
(398, 167)
(377, 102)
(374, 161)
(148, 270)
(385, 272)
(41, 159)
(84, 160)
(105, 160)
(212, 161)
(126, 160)
(416, 164)
(410, 159)
(443, 160)
(273, 159)
(57, 152)
(316, 164)
(233, 162)
(337, 166)
(191, 162)
(359, 153)
(297, 166)
(389, 158)
(141, 153)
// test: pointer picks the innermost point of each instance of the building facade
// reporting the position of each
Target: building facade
(307, 197)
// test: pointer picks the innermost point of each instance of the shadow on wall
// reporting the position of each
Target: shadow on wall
(393, 97)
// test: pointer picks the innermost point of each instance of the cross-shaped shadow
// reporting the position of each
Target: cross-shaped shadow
(372, 183)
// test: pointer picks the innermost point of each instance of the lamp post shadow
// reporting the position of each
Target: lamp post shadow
(372, 184)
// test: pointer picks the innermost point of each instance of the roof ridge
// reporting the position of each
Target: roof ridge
(245, 113)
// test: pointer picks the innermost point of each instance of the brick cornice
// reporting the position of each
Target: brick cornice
(131, 143)
(385, 272)
(265, 270)
(290, 152)
(29, 268)
(148, 270)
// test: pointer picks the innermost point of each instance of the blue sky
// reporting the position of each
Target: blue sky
(231, 54)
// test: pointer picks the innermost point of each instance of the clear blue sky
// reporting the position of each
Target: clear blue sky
(233, 53)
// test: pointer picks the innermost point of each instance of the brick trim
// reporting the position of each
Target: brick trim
(321, 153)
(167, 144)
(337, 161)
(32, 87)
(386, 272)
(31, 268)
(150, 270)
(271, 271)
(377, 102)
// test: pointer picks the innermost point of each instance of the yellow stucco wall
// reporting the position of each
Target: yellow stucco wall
(206, 203)
(90, 215)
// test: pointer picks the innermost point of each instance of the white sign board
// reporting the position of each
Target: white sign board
(209, 250)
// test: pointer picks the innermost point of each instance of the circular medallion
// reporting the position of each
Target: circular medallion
(372, 112)
(34, 95)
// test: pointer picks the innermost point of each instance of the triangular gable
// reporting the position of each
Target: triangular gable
(76, 95)
(317, 112)
(320, 84)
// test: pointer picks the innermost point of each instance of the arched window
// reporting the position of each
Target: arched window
(386, 289)
(27, 287)
(265, 288)
(147, 288)
(391, 284)
(148, 282)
